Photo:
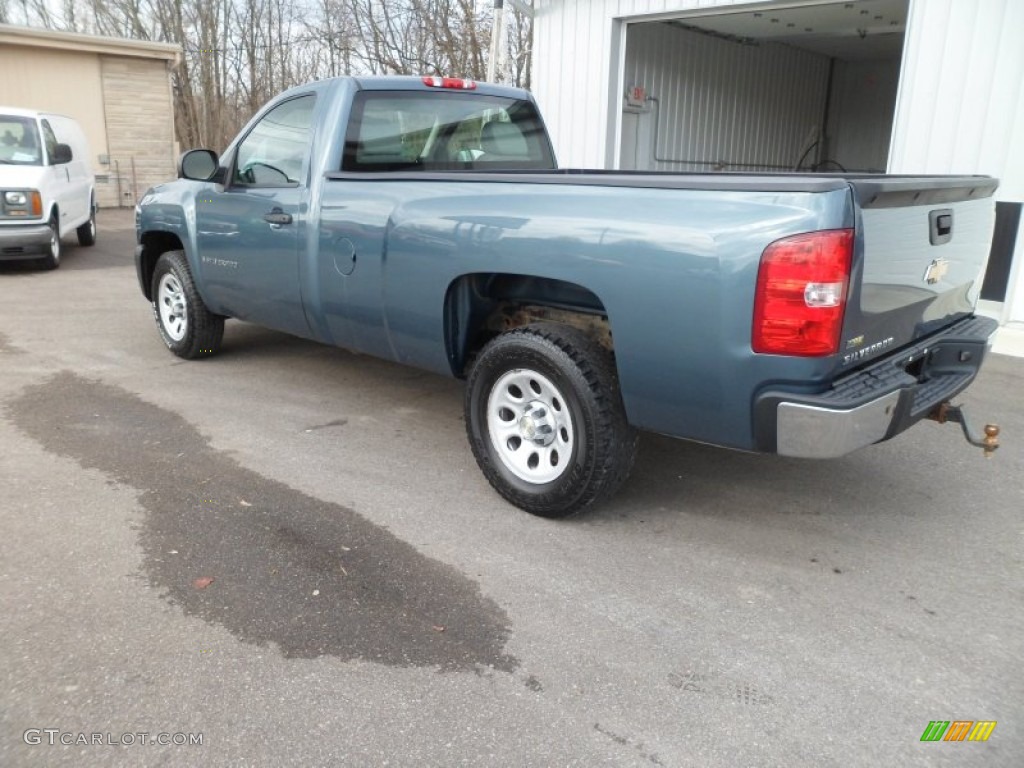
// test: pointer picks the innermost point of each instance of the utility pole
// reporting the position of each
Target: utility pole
(496, 38)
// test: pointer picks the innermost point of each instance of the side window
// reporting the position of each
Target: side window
(50, 140)
(274, 152)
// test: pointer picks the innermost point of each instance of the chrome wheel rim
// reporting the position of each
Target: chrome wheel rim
(54, 244)
(530, 427)
(173, 307)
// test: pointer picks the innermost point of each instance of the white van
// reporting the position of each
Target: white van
(47, 187)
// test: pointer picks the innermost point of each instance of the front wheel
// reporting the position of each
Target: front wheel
(52, 258)
(545, 420)
(188, 328)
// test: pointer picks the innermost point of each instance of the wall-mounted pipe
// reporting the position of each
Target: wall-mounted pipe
(717, 165)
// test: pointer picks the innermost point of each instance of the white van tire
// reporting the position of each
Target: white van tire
(52, 258)
(87, 232)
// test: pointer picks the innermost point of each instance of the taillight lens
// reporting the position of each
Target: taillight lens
(801, 294)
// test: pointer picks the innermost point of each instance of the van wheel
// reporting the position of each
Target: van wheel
(87, 232)
(188, 328)
(545, 420)
(52, 258)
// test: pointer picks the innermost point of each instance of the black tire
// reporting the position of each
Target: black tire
(87, 232)
(52, 258)
(602, 446)
(187, 327)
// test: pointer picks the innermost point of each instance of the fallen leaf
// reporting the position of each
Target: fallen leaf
(202, 582)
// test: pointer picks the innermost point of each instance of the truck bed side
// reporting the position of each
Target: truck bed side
(674, 270)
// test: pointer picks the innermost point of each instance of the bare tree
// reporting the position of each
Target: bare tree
(519, 48)
(237, 54)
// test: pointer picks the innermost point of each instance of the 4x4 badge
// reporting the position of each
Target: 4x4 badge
(936, 271)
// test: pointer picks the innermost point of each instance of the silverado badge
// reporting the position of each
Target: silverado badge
(936, 271)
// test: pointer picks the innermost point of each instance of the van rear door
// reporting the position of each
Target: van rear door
(74, 179)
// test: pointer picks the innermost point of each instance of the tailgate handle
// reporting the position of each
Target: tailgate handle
(940, 226)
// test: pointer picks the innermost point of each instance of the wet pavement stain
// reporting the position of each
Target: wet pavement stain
(335, 423)
(312, 577)
(7, 346)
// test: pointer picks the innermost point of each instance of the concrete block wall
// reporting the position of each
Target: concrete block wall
(140, 128)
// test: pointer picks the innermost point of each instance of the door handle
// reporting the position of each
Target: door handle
(278, 217)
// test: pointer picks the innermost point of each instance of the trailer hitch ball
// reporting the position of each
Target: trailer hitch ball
(957, 413)
(991, 439)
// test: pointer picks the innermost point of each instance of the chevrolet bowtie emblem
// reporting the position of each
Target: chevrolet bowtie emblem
(936, 271)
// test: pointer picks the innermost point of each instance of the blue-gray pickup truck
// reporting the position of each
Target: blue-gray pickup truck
(424, 220)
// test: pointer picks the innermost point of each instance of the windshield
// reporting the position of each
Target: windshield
(434, 131)
(19, 141)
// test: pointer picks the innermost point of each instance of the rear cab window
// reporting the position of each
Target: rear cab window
(437, 131)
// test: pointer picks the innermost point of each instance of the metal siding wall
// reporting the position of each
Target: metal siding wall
(745, 107)
(572, 66)
(861, 113)
(961, 101)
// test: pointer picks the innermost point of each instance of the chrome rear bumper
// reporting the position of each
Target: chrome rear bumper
(877, 402)
(813, 432)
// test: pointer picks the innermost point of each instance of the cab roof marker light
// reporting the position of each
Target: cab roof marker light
(455, 83)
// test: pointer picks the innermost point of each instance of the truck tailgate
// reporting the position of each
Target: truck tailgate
(925, 242)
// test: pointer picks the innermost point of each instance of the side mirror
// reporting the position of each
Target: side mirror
(198, 165)
(61, 154)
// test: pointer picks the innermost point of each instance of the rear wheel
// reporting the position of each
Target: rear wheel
(87, 232)
(545, 420)
(52, 258)
(188, 328)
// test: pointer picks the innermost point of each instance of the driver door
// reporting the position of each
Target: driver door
(250, 232)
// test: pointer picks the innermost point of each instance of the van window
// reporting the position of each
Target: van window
(19, 141)
(435, 131)
(50, 139)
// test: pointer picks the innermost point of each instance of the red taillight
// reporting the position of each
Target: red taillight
(449, 82)
(801, 294)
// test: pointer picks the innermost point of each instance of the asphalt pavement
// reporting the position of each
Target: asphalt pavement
(287, 553)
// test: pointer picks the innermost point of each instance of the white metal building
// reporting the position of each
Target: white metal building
(901, 86)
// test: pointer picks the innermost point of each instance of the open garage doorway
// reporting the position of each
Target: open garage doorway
(808, 87)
